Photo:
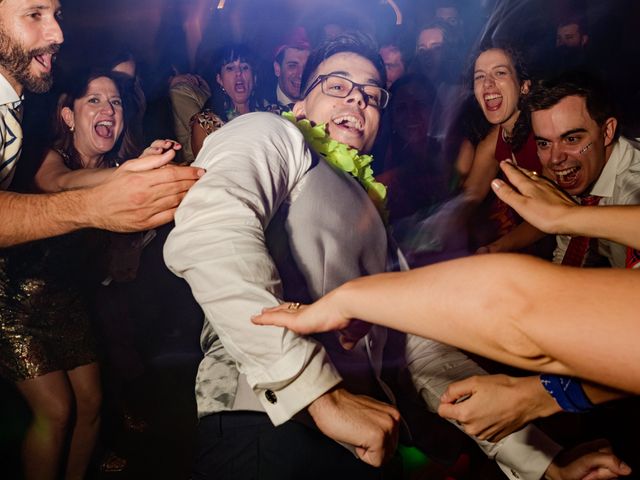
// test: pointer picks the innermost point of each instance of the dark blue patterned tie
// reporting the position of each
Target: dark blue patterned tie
(11, 142)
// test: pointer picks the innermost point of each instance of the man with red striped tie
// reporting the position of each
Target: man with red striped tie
(580, 148)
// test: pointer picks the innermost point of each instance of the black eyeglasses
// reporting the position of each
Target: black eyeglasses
(341, 87)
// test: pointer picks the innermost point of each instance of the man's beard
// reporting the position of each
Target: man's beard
(17, 62)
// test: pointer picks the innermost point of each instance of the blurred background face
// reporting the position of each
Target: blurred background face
(97, 118)
(410, 115)
(430, 38)
(290, 71)
(449, 15)
(237, 80)
(496, 87)
(570, 36)
(393, 63)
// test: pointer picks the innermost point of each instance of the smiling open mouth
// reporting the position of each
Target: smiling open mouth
(349, 122)
(104, 129)
(45, 60)
(492, 101)
(567, 176)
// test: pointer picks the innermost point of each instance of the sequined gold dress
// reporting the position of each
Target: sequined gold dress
(45, 289)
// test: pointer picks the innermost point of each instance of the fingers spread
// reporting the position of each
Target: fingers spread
(150, 162)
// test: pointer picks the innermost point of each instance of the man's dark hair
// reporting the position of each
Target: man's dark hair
(349, 42)
(400, 41)
(280, 56)
(549, 92)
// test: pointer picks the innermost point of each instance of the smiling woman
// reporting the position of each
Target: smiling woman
(89, 131)
(235, 75)
(500, 81)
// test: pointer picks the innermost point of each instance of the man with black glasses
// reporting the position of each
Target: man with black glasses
(289, 209)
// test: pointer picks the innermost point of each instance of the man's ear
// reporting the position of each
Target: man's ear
(526, 86)
(610, 126)
(299, 109)
(585, 40)
(276, 69)
(68, 117)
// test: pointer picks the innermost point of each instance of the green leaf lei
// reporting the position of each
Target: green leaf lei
(343, 157)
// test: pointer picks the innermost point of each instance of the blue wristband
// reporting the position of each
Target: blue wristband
(567, 392)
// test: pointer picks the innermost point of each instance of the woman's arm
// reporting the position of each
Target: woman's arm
(483, 170)
(198, 134)
(54, 176)
(464, 160)
(512, 308)
(203, 124)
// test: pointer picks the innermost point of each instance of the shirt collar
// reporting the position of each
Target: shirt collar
(7, 93)
(606, 182)
(283, 98)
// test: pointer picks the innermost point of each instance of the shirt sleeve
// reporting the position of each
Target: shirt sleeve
(186, 101)
(523, 455)
(218, 247)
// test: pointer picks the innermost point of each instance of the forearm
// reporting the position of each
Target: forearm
(483, 169)
(517, 318)
(616, 223)
(598, 394)
(74, 179)
(32, 217)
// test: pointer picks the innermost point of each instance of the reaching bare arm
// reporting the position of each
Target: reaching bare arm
(483, 169)
(141, 194)
(540, 202)
(513, 308)
(54, 176)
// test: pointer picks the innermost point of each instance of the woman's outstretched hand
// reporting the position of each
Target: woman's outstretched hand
(322, 316)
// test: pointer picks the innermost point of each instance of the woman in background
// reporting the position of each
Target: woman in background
(500, 132)
(235, 67)
(46, 347)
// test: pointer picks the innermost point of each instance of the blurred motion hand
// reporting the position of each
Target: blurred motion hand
(588, 461)
(497, 405)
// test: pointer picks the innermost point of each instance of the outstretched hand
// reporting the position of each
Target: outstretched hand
(321, 316)
(588, 461)
(141, 194)
(537, 199)
(160, 146)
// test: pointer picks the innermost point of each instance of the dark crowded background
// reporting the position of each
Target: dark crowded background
(169, 38)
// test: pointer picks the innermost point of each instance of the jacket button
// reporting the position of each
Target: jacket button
(271, 397)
